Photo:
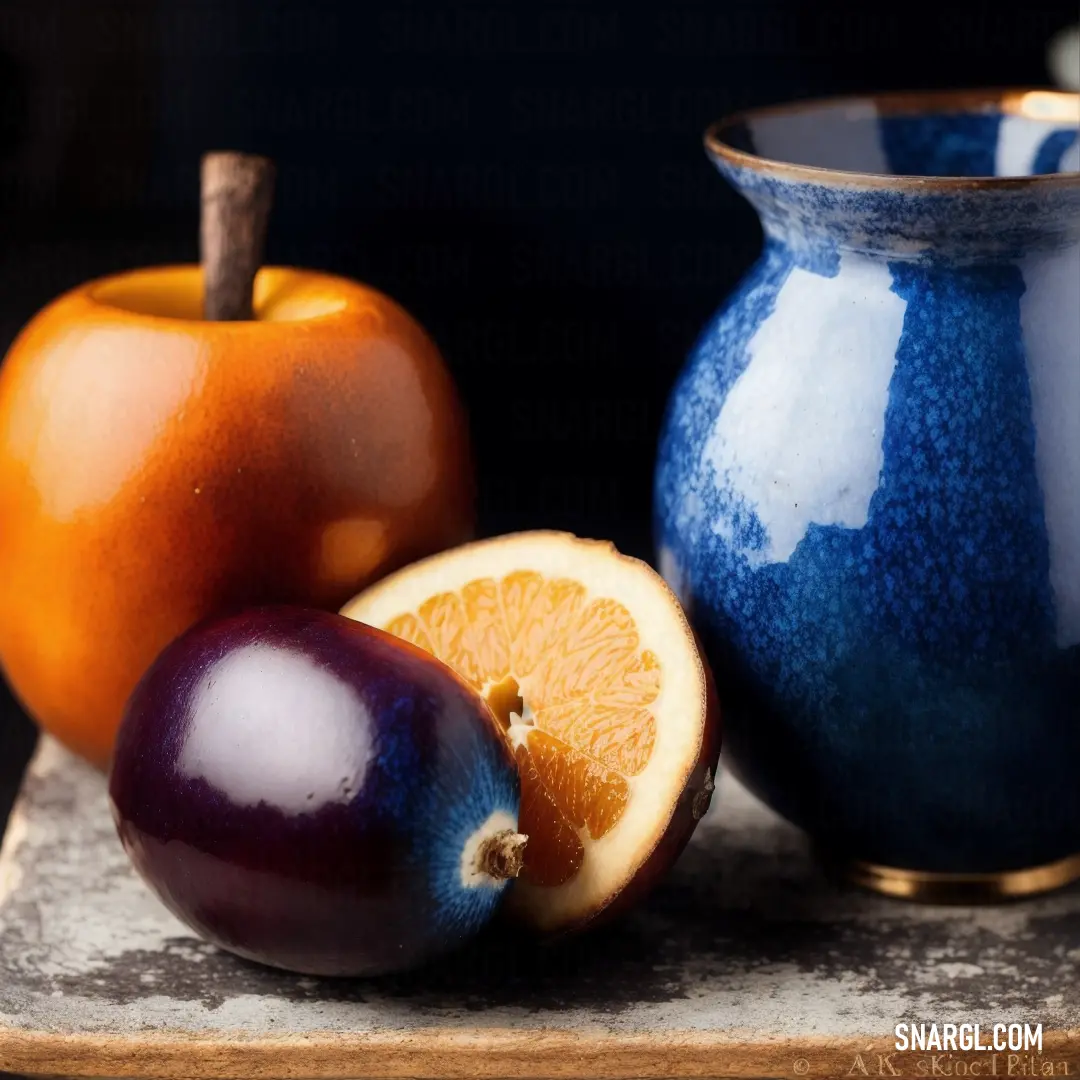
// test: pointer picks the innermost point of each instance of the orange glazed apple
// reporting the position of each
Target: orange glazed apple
(156, 468)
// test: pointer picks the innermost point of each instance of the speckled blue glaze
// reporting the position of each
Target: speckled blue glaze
(301, 788)
(868, 485)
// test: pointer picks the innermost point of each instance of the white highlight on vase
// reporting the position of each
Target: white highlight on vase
(672, 573)
(1018, 143)
(799, 437)
(1050, 321)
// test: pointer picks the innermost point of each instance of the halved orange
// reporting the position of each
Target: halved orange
(589, 664)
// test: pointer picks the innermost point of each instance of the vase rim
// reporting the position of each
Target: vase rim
(1062, 106)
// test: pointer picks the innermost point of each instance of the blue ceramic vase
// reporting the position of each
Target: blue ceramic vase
(868, 486)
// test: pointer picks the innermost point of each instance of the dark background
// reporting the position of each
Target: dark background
(527, 179)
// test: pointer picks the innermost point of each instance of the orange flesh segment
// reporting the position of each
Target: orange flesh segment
(586, 686)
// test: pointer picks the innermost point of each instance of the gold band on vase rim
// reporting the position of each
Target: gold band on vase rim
(943, 888)
(1058, 106)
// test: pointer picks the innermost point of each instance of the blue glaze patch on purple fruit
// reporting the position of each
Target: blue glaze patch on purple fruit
(314, 794)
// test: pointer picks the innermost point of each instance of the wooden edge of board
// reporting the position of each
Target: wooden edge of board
(504, 1053)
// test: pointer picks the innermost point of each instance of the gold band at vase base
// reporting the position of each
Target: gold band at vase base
(936, 888)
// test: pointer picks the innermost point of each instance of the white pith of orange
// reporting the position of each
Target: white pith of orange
(679, 709)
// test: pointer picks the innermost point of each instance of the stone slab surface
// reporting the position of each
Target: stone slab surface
(746, 961)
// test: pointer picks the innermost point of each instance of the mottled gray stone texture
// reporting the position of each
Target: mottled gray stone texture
(745, 935)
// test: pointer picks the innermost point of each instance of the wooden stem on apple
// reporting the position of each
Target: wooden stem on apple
(237, 190)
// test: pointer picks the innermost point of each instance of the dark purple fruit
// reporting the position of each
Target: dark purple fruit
(312, 793)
